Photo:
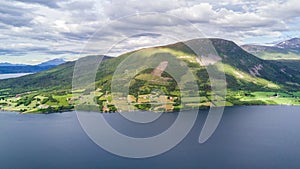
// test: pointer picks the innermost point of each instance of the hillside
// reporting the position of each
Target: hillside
(23, 69)
(250, 80)
(57, 78)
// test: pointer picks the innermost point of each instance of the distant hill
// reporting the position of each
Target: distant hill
(285, 50)
(10, 64)
(23, 68)
(54, 78)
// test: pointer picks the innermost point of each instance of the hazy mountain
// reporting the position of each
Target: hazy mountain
(10, 64)
(53, 62)
(285, 50)
(290, 44)
(23, 68)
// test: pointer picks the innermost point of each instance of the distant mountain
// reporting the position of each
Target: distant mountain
(290, 44)
(10, 64)
(6, 67)
(285, 50)
(23, 68)
(53, 62)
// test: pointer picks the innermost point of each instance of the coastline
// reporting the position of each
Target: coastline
(200, 108)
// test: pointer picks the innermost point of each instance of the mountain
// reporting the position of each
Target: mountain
(234, 58)
(53, 62)
(290, 44)
(249, 63)
(55, 78)
(250, 80)
(10, 64)
(285, 50)
(22, 68)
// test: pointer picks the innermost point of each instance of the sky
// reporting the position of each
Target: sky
(32, 31)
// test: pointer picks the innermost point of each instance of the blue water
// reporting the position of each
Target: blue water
(247, 137)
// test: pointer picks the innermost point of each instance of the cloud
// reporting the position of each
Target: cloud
(281, 10)
(35, 28)
(202, 12)
(48, 3)
(117, 9)
(16, 16)
(229, 18)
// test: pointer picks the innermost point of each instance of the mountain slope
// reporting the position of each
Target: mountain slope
(241, 60)
(56, 78)
(246, 62)
(23, 69)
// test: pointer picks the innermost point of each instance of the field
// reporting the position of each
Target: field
(278, 56)
(274, 98)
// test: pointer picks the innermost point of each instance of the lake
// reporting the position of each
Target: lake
(247, 137)
(12, 75)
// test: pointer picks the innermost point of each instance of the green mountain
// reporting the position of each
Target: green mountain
(250, 80)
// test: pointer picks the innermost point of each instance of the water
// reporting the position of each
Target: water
(12, 75)
(247, 137)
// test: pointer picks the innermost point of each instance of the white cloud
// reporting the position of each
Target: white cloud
(229, 18)
(202, 12)
(281, 10)
(50, 28)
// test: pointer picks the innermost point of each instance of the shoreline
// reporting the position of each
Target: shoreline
(200, 108)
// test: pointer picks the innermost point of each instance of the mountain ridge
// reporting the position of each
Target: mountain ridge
(239, 58)
(246, 75)
(293, 43)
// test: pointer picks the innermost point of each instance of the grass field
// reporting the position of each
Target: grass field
(278, 56)
(274, 98)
